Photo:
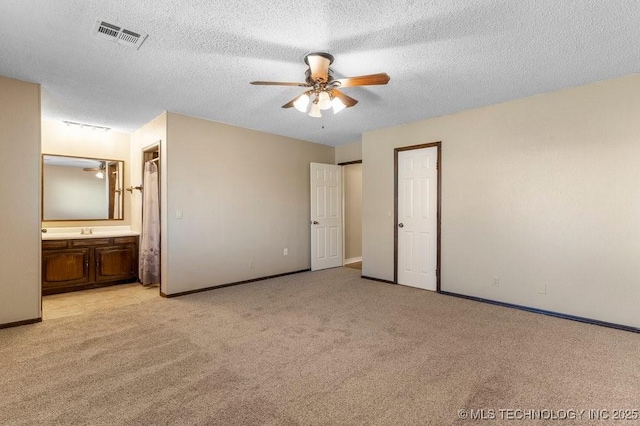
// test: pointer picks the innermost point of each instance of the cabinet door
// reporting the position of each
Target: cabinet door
(116, 262)
(65, 267)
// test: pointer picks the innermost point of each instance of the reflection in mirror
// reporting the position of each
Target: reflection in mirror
(76, 188)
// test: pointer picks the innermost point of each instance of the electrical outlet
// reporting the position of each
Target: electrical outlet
(542, 288)
(285, 252)
(179, 214)
(251, 264)
(496, 282)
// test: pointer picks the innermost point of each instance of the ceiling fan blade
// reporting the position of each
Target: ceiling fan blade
(319, 65)
(292, 101)
(278, 83)
(363, 80)
(348, 101)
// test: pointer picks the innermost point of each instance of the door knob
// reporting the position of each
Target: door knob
(315, 222)
(401, 225)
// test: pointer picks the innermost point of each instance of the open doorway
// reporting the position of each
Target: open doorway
(336, 215)
(115, 262)
(352, 180)
(149, 264)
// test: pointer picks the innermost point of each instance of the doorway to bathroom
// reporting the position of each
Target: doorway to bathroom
(149, 270)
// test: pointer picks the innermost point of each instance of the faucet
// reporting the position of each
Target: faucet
(86, 231)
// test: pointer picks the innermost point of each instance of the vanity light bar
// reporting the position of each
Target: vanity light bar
(88, 126)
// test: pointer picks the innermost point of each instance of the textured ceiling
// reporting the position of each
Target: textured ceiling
(442, 56)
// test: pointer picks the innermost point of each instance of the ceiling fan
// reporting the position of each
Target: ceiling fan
(101, 169)
(324, 90)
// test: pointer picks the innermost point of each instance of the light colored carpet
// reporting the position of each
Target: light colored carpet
(313, 348)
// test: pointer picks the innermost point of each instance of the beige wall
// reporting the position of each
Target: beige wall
(20, 197)
(60, 139)
(151, 134)
(352, 211)
(244, 196)
(349, 152)
(539, 191)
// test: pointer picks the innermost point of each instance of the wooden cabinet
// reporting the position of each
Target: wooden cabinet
(65, 267)
(69, 265)
(115, 263)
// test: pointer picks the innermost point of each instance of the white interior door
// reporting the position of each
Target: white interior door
(326, 216)
(417, 217)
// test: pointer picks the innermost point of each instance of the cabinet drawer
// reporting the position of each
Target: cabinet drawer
(125, 240)
(55, 244)
(91, 242)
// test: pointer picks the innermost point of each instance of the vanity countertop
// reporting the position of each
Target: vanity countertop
(97, 232)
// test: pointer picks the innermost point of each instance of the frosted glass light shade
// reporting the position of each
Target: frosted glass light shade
(324, 101)
(100, 175)
(302, 102)
(315, 111)
(337, 105)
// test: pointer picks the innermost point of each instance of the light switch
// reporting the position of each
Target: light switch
(179, 214)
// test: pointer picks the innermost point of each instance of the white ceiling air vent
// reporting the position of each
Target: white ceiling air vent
(116, 34)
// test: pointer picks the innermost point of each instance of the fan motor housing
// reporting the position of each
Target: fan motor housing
(323, 54)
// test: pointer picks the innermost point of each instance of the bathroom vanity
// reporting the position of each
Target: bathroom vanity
(72, 260)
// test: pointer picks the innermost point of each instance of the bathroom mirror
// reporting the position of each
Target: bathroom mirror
(75, 188)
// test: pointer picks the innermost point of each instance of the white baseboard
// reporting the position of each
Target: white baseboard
(353, 260)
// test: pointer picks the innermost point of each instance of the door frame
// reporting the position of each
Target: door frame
(438, 145)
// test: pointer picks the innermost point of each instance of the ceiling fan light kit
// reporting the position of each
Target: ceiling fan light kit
(315, 111)
(324, 101)
(337, 105)
(302, 102)
(324, 93)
